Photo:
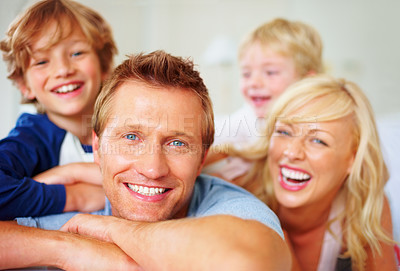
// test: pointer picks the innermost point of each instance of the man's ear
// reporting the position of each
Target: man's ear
(202, 162)
(95, 146)
(25, 90)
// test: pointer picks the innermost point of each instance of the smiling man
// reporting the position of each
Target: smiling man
(153, 125)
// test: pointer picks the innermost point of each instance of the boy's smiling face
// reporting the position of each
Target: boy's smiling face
(64, 77)
(265, 74)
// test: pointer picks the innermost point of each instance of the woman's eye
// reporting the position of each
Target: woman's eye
(319, 141)
(282, 132)
(177, 143)
(132, 137)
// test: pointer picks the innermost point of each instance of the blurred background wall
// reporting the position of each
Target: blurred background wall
(361, 41)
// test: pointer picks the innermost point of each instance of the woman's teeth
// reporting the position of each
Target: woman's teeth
(67, 88)
(146, 191)
(294, 176)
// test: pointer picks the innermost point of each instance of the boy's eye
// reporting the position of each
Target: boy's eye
(41, 62)
(246, 74)
(131, 137)
(271, 72)
(177, 143)
(77, 53)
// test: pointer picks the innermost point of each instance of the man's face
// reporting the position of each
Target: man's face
(150, 152)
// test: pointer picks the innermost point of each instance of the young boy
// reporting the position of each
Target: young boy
(273, 56)
(58, 53)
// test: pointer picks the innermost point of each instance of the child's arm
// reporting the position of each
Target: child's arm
(84, 197)
(33, 146)
(71, 173)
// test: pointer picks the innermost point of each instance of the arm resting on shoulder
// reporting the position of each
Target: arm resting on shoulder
(83, 185)
(84, 197)
(208, 243)
(71, 173)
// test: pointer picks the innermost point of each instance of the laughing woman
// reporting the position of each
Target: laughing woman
(321, 170)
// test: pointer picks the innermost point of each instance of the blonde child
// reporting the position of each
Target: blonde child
(272, 57)
(58, 53)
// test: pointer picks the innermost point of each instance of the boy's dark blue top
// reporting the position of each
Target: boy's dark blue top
(33, 146)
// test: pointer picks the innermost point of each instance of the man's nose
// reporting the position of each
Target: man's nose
(152, 163)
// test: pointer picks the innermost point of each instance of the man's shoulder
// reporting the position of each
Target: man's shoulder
(213, 191)
(214, 196)
(210, 183)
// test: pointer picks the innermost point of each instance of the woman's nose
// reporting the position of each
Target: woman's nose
(295, 149)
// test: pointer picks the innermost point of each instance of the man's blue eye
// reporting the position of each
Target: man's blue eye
(177, 143)
(131, 137)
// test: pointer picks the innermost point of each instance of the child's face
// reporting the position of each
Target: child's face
(66, 77)
(265, 74)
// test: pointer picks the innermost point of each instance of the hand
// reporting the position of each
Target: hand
(95, 226)
(84, 197)
(91, 254)
(71, 173)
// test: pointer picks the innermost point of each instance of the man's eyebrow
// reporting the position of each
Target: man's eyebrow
(180, 133)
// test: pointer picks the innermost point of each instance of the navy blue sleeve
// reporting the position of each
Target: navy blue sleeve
(32, 147)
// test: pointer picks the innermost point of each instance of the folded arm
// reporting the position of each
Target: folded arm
(27, 247)
(207, 243)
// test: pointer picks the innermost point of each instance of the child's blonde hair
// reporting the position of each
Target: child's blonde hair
(16, 45)
(292, 39)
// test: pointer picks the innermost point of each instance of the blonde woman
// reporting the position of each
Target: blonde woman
(320, 168)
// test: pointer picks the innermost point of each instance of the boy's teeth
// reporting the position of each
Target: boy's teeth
(146, 191)
(294, 175)
(67, 88)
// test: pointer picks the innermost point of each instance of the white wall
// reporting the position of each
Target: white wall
(361, 40)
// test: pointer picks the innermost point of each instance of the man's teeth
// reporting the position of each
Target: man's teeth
(146, 191)
(294, 175)
(67, 88)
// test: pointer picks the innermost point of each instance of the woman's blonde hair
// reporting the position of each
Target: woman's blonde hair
(293, 39)
(323, 98)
